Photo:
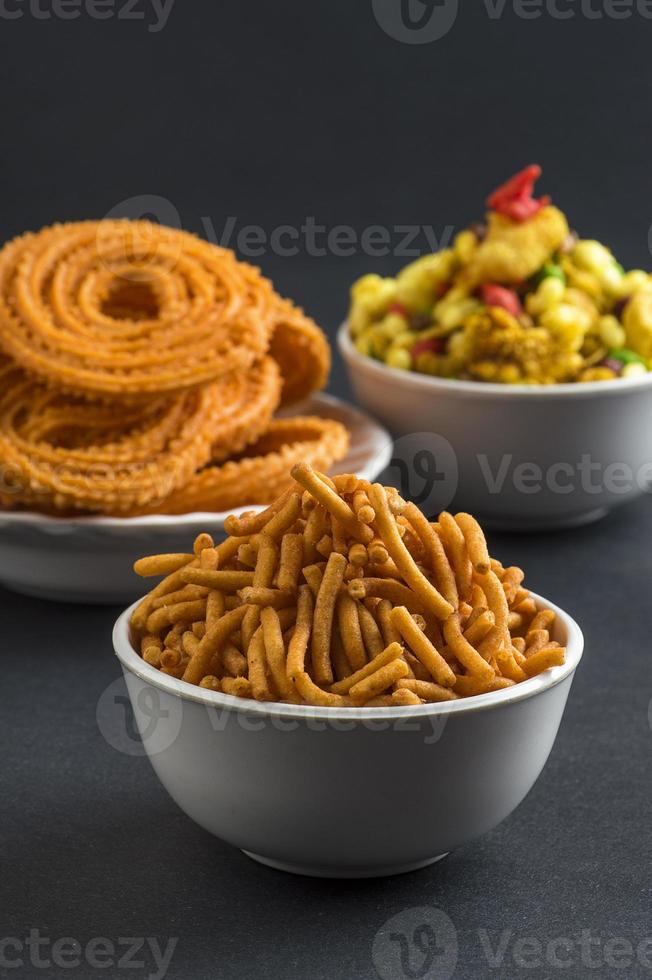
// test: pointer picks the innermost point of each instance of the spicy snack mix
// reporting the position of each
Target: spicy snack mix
(140, 370)
(517, 299)
(341, 594)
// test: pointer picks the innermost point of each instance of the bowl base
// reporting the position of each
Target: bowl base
(527, 525)
(320, 872)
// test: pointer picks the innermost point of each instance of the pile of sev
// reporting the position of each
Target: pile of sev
(341, 594)
(140, 371)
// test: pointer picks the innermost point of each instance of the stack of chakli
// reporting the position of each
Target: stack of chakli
(140, 370)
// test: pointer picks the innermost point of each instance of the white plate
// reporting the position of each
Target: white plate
(90, 559)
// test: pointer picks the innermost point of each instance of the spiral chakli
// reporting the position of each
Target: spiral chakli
(130, 309)
(247, 401)
(301, 350)
(263, 471)
(62, 454)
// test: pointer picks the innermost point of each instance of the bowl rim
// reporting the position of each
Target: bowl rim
(482, 389)
(33, 518)
(550, 678)
(313, 404)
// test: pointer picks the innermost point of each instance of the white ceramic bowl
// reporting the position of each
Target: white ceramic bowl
(345, 792)
(90, 559)
(522, 457)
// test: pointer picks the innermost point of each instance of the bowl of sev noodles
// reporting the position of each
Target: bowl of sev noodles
(341, 687)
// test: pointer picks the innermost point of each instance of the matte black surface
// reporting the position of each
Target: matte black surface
(271, 113)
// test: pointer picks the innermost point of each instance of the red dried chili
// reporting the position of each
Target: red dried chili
(494, 295)
(433, 345)
(514, 199)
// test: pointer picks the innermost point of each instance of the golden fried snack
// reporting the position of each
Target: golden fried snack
(161, 564)
(60, 454)
(464, 652)
(413, 576)
(427, 690)
(291, 563)
(393, 651)
(456, 546)
(512, 251)
(331, 501)
(137, 365)
(247, 403)
(379, 681)
(350, 631)
(275, 650)
(287, 628)
(434, 548)
(263, 576)
(550, 656)
(422, 648)
(298, 645)
(130, 309)
(263, 470)
(323, 622)
(302, 352)
(475, 542)
(251, 523)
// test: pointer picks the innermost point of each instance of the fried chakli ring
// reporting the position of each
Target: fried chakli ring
(247, 403)
(302, 352)
(130, 309)
(59, 453)
(264, 471)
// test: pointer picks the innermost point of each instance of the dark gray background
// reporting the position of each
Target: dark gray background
(271, 113)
